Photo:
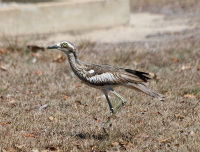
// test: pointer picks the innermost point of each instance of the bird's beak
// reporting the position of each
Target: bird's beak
(53, 47)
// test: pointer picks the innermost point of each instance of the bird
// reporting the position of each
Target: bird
(105, 78)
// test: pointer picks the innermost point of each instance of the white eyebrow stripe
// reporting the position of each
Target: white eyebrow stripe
(70, 45)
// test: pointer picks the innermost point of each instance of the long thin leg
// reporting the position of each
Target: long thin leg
(118, 107)
(111, 109)
(118, 95)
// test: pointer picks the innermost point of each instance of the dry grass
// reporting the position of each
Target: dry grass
(75, 123)
(145, 122)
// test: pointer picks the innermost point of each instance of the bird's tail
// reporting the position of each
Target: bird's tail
(141, 87)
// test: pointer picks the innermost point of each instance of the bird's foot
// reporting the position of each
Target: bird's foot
(105, 130)
(124, 102)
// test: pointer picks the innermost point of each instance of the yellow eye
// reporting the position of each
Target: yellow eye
(64, 45)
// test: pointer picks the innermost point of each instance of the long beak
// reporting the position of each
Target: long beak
(53, 47)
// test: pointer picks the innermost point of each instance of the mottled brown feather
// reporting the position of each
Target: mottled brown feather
(120, 76)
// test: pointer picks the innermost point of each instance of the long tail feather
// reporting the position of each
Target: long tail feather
(141, 87)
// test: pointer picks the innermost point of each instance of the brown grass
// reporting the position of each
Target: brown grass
(145, 122)
(76, 123)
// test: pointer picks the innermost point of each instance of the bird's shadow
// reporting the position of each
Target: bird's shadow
(88, 135)
(103, 136)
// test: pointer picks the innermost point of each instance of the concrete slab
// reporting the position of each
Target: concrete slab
(141, 26)
(53, 17)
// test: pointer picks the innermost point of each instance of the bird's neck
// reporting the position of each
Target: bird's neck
(74, 61)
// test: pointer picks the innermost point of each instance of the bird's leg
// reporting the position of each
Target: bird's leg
(111, 110)
(118, 107)
(118, 95)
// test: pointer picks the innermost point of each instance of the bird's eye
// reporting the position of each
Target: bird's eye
(64, 45)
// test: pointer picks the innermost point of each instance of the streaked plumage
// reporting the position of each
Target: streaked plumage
(105, 77)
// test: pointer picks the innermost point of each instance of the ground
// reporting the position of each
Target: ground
(44, 107)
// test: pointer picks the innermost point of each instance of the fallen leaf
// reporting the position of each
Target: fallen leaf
(34, 150)
(157, 112)
(189, 96)
(144, 136)
(147, 150)
(51, 149)
(188, 124)
(8, 96)
(46, 150)
(125, 144)
(38, 55)
(60, 58)
(39, 94)
(198, 69)
(67, 77)
(29, 135)
(43, 107)
(78, 85)
(78, 102)
(176, 60)
(35, 48)
(179, 116)
(141, 122)
(114, 144)
(20, 146)
(164, 140)
(12, 101)
(55, 119)
(192, 133)
(113, 116)
(185, 67)
(87, 116)
(5, 123)
(3, 68)
(75, 144)
(66, 97)
(15, 65)
(34, 60)
(98, 120)
(143, 111)
(11, 149)
(51, 118)
(127, 115)
(39, 72)
(182, 101)
(93, 148)
(4, 51)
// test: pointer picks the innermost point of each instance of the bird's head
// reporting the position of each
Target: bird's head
(64, 46)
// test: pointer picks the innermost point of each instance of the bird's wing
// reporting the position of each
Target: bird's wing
(102, 75)
(109, 75)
